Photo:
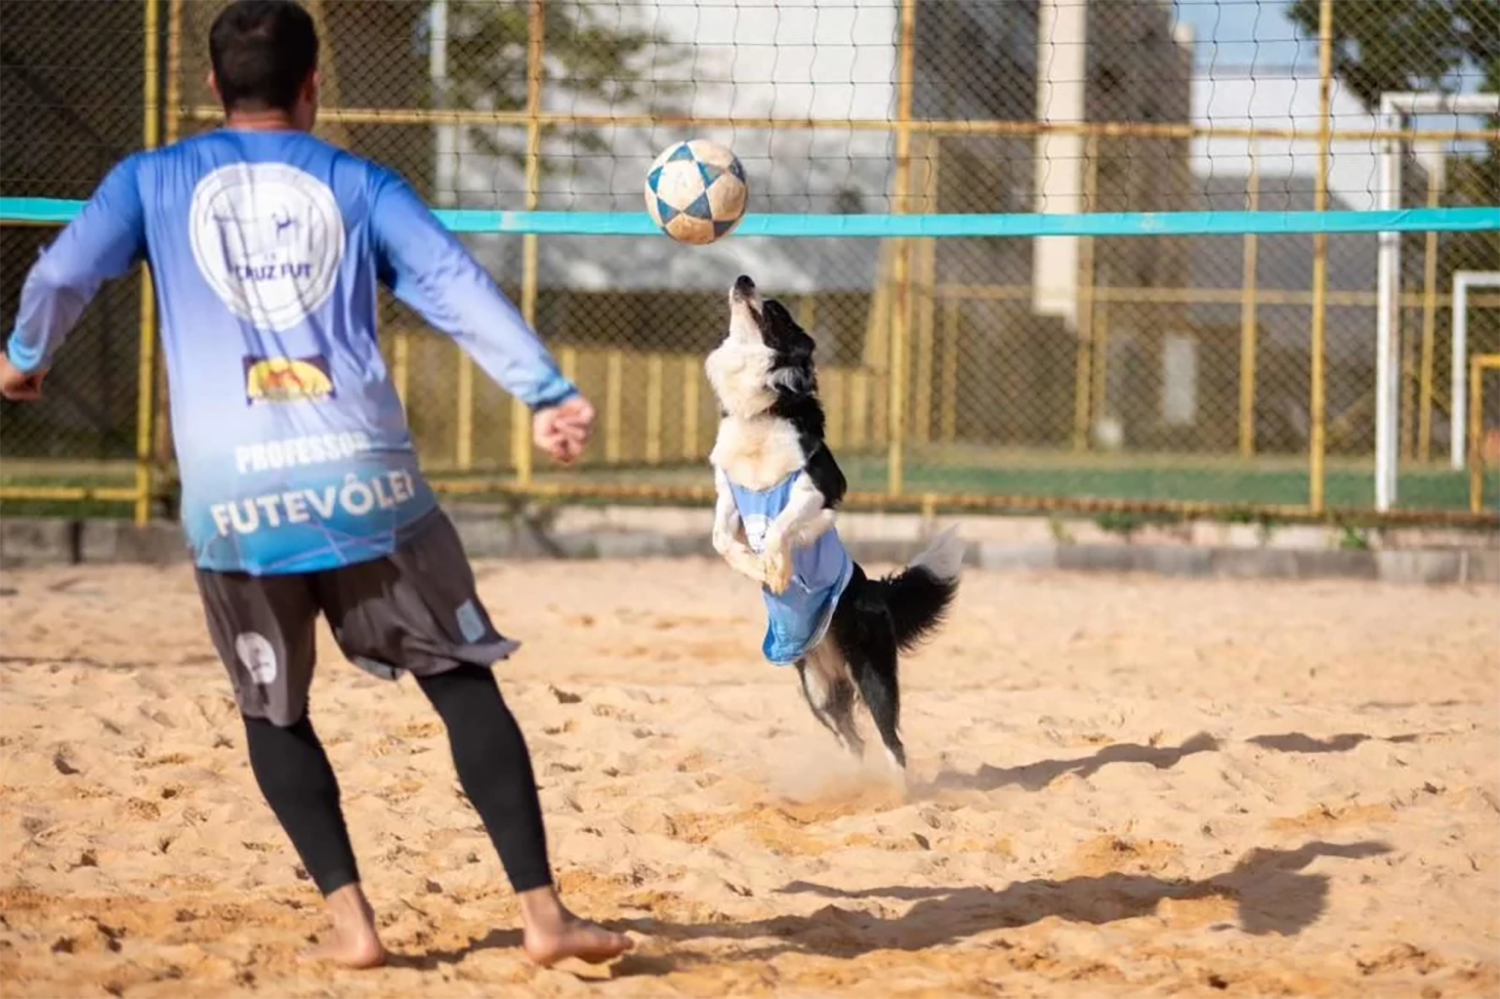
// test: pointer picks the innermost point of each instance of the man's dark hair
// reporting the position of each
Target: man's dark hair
(262, 52)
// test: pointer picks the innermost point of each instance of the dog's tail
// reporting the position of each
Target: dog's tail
(920, 595)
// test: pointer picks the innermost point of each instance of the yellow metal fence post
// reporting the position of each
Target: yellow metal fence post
(949, 419)
(1318, 403)
(655, 389)
(463, 424)
(1249, 321)
(146, 373)
(1083, 377)
(1477, 366)
(961, 127)
(520, 440)
(162, 444)
(692, 375)
(900, 314)
(924, 308)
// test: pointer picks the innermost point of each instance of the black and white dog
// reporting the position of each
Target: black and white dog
(779, 490)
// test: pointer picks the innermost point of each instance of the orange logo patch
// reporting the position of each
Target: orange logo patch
(287, 379)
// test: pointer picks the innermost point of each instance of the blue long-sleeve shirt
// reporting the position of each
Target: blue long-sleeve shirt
(267, 249)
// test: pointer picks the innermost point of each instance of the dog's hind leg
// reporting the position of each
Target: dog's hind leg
(830, 695)
(873, 664)
(841, 708)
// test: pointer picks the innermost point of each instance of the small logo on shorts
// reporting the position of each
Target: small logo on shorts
(257, 656)
(287, 379)
(470, 622)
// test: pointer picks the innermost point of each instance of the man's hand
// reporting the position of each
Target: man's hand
(18, 386)
(563, 430)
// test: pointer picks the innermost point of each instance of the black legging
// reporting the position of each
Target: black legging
(494, 767)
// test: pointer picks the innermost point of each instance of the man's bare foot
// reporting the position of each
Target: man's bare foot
(354, 941)
(553, 934)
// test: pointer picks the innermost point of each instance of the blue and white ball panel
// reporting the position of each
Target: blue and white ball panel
(696, 191)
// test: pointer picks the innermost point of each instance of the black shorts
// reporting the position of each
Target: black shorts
(413, 611)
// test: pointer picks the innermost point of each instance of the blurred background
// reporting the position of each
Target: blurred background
(1228, 375)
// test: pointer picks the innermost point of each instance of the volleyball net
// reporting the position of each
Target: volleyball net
(1127, 257)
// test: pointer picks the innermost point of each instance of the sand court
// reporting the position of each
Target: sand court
(1120, 786)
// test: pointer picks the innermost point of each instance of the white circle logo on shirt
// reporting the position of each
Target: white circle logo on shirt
(269, 239)
(256, 655)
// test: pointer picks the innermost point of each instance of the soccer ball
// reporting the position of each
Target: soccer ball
(696, 191)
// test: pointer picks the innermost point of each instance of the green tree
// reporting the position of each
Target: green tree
(592, 53)
(1386, 45)
(1429, 45)
(1425, 45)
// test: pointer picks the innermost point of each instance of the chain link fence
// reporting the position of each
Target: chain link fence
(71, 79)
(1141, 373)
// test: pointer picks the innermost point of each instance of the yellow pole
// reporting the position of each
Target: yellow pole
(654, 391)
(896, 403)
(614, 406)
(1249, 321)
(174, 71)
(520, 438)
(859, 408)
(1100, 366)
(146, 373)
(1429, 325)
(172, 114)
(463, 432)
(401, 364)
(1318, 403)
(963, 127)
(926, 302)
(949, 421)
(1083, 374)
(691, 376)
(1476, 428)
(832, 390)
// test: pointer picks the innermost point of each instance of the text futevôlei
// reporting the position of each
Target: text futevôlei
(355, 497)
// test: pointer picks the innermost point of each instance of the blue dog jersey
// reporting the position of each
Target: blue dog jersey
(799, 618)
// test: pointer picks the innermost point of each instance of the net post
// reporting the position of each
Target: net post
(146, 373)
(1318, 375)
(536, 26)
(1249, 320)
(896, 401)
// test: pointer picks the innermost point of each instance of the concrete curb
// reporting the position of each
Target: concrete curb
(34, 542)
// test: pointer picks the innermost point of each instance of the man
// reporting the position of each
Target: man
(300, 488)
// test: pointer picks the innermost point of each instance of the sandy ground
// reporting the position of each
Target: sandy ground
(1120, 787)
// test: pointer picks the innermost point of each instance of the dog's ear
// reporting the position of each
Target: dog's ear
(782, 334)
(791, 349)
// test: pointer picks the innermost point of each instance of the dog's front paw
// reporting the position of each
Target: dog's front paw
(778, 569)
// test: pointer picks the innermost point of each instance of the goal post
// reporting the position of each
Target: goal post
(1395, 109)
(1462, 282)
